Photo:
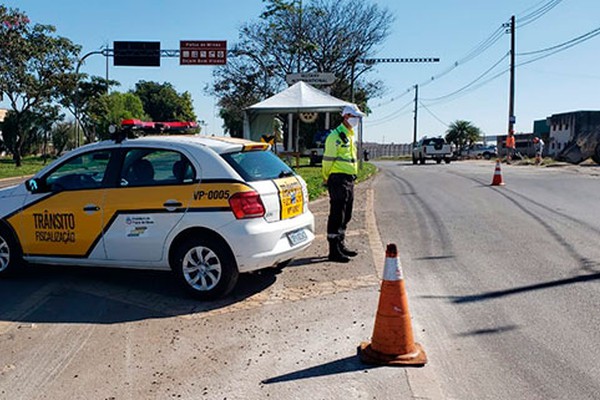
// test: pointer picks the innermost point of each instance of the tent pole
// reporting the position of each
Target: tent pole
(297, 138)
(290, 131)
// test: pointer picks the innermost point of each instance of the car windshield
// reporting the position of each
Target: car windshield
(258, 165)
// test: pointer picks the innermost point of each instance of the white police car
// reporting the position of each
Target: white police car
(207, 208)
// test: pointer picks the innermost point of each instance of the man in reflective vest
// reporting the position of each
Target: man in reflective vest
(510, 146)
(339, 172)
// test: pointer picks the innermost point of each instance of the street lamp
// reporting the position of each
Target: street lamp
(77, 90)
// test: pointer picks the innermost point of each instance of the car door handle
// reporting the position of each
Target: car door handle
(91, 208)
(172, 205)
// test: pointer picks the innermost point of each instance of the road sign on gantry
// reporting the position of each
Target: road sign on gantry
(312, 78)
(202, 52)
(137, 54)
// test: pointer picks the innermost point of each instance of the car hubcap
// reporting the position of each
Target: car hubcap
(202, 268)
(4, 254)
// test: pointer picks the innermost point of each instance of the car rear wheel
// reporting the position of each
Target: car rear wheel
(10, 254)
(206, 268)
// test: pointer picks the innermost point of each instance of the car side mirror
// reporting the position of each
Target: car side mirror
(34, 185)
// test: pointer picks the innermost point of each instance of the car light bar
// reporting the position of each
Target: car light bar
(256, 146)
(159, 127)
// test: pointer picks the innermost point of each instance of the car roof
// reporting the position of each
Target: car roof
(219, 144)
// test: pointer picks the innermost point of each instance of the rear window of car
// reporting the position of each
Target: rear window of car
(433, 142)
(258, 165)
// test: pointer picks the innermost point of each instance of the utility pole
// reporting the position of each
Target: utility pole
(415, 120)
(511, 97)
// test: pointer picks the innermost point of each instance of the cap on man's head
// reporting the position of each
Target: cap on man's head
(354, 111)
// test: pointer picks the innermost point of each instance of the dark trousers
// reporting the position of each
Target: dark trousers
(341, 199)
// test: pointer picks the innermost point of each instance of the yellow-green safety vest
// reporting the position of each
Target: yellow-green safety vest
(340, 153)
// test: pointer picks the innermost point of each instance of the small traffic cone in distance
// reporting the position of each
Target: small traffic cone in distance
(497, 179)
(392, 342)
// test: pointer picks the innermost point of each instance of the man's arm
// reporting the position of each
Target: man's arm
(329, 154)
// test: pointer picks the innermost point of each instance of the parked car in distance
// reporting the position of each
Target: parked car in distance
(205, 208)
(433, 149)
(479, 150)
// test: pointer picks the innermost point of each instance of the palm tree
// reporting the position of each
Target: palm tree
(462, 133)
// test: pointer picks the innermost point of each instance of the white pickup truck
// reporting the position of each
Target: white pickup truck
(478, 150)
(432, 148)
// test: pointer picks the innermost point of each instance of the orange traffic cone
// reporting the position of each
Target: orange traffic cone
(392, 341)
(497, 180)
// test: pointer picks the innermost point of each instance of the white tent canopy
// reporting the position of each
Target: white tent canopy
(300, 97)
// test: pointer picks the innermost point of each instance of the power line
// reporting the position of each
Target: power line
(472, 82)
(557, 48)
(393, 99)
(492, 39)
(432, 114)
(535, 15)
(390, 117)
(474, 53)
(567, 44)
(530, 8)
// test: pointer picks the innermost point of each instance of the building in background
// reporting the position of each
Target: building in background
(574, 136)
(541, 129)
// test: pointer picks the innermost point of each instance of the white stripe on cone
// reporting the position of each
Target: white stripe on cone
(392, 270)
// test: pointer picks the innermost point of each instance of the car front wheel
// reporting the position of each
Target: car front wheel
(10, 255)
(206, 268)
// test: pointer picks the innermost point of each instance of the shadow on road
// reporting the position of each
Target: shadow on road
(105, 296)
(348, 364)
(300, 262)
(522, 289)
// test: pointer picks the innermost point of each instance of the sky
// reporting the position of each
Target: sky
(470, 82)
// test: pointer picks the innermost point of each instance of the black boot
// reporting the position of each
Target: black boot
(335, 254)
(346, 251)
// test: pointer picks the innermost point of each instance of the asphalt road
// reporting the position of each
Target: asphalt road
(502, 284)
(81, 333)
(504, 280)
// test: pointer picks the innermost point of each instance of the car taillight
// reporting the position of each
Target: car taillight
(246, 205)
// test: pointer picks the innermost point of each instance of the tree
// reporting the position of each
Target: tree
(462, 133)
(86, 102)
(35, 124)
(63, 136)
(35, 67)
(162, 102)
(114, 108)
(322, 36)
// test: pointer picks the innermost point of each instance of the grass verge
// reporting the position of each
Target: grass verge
(314, 178)
(29, 166)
